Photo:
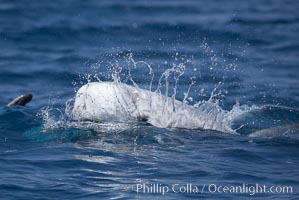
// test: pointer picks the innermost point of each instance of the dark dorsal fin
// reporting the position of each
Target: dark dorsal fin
(21, 100)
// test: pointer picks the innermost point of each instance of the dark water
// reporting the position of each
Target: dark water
(247, 51)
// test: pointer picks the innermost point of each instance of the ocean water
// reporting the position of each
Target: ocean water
(241, 57)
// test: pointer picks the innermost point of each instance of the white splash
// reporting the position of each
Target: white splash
(112, 105)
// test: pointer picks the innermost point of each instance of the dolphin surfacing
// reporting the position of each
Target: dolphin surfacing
(291, 129)
(110, 101)
(20, 100)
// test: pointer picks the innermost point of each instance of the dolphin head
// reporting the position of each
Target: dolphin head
(21, 100)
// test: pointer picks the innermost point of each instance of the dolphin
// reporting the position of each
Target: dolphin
(20, 100)
(119, 102)
(286, 130)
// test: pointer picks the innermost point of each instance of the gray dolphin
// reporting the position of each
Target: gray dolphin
(287, 130)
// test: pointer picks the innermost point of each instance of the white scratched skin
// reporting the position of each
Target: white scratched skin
(110, 101)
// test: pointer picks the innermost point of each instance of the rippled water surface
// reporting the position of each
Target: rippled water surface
(241, 57)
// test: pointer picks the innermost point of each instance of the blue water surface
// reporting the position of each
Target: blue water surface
(242, 53)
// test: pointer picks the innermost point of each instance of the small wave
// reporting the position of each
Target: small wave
(274, 21)
(57, 32)
(287, 48)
